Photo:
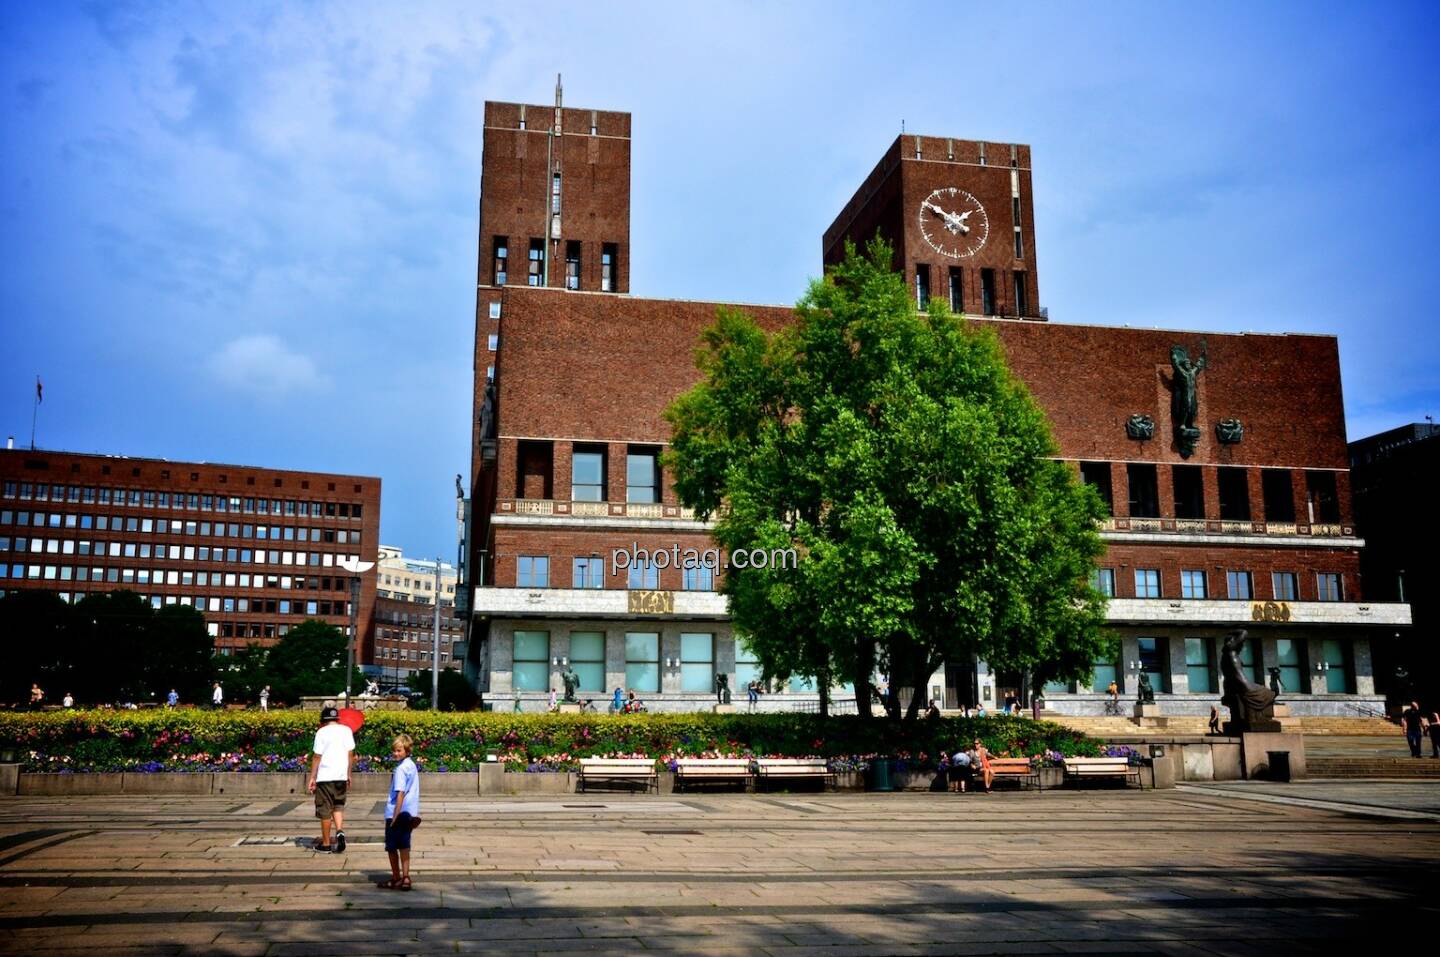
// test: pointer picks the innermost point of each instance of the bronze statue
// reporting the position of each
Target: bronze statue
(1147, 691)
(1185, 398)
(487, 412)
(1229, 431)
(572, 681)
(1140, 427)
(1276, 685)
(722, 688)
(1246, 700)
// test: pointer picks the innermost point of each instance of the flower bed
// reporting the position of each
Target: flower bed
(194, 740)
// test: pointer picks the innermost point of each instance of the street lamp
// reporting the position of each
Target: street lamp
(356, 568)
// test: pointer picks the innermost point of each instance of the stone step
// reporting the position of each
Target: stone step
(1427, 768)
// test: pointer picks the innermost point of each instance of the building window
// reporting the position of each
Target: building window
(1239, 587)
(1097, 476)
(642, 661)
(588, 573)
(697, 662)
(587, 659)
(1019, 241)
(1103, 671)
(957, 290)
(1197, 665)
(1284, 585)
(587, 475)
(1336, 671)
(1189, 482)
(1287, 659)
(1144, 490)
(1147, 583)
(492, 341)
(572, 264)
(502, 257)
(987, 291)
(643, 575)
(1022, 301)
(531, 669)
(1192, 584)
(555, 194)
(536, 274)
(1328, 586)
(1234, 488)
(1279, 495)
(1103, 581)
(747, 666)
(1323, 499)
(494, 314)
(699, 578)
(609, 268)
(532, 571)
(922, 286)
(642, 475)
(1152, 663)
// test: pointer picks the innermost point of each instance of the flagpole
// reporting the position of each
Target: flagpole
(34, 411)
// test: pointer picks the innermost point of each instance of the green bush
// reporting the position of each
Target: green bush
(193, 740)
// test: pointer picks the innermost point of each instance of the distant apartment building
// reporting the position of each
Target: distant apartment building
(406, 600)
(255, 550)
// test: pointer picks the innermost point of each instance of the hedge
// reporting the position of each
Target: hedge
(188, 739)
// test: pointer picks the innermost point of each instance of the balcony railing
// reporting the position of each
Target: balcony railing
(558, 508)
(1198, 526)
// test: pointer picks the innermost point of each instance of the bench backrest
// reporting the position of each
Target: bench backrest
(611, 765)
(1010, 765)
(1096, 765)
(713, 764)
(793, 764)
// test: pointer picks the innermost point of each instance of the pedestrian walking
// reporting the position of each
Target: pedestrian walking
(402, 813)
(172, 699)
(68, 701)
(217, 696)
(265, 698)
(37, 696)
(1434, 734)
(1214, 719)
(331, 762)
(617, 703)
(1413, 723)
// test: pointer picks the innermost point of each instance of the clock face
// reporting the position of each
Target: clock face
(953, 222)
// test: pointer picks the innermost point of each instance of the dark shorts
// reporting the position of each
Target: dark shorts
(961, 772)
(329, 797)
(397, 833)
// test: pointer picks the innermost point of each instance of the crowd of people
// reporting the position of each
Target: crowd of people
(968, 765)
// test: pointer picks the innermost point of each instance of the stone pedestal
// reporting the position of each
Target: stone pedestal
(723, 709)
(569, 707)
(9, 779)
(1148, 715)
(1257, 748)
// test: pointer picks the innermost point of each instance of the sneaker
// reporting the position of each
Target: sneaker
(325, 848)
(339, 842)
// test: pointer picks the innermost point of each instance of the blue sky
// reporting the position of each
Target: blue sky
(246, 232)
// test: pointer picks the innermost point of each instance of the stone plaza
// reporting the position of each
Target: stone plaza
(1222, 868)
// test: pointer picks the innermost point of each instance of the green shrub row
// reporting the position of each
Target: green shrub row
(193, 740)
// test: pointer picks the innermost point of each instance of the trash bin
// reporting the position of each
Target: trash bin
(1279, 765)
(880, 775)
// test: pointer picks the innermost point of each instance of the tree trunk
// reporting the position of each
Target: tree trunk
(864, 670)
(824, 680)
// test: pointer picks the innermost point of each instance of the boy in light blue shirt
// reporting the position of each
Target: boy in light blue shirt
(402, 813)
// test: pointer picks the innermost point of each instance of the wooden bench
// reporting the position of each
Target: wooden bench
(614, 771)
(1015, 769)
(711, 771)
(795, 769)
(1077, 769)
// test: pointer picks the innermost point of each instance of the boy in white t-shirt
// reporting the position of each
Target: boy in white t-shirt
(402, 814)
(334, 756)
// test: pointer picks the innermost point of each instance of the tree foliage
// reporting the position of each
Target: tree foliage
(309, 660)
(456, 691)
(912, 472)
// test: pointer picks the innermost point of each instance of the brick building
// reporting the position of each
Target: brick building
(405, 603)
(254, 549)
(1231, 509)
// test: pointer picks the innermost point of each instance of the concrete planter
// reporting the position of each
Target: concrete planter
(64, 785)
(257, 784)
(135, 782)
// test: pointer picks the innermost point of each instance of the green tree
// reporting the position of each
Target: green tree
(36, 629)
(912, 473)
(309, 660)
(456, 691)
(244, 673)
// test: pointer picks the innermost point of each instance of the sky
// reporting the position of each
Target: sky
(246, 233)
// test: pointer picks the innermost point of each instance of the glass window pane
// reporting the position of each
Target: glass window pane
(592, 675)
(1057, 687)
(798, 683)
(587, 468)
(532, 646)
(642, 646)
(642, 677)
(746, 673)
(697, 647)
(532, 676)
(697, 676)
(587, 646)
(1102, 674)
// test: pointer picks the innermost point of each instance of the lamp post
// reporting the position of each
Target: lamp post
(356, 568)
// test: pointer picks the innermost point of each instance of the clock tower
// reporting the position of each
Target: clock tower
(960, 214)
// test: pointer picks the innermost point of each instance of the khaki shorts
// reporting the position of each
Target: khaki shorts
(329, 796)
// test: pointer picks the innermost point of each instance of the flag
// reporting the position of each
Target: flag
(39, 390)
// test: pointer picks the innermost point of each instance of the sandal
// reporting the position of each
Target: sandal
(405, 883)
(393, 884)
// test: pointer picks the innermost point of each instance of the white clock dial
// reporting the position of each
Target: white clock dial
(953, 222)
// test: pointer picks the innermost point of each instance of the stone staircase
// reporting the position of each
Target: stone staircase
(1427, 769)
(1112, 725)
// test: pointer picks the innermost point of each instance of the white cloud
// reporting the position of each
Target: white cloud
(265, 366)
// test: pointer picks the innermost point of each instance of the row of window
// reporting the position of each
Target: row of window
(165, 526)
(1233, 492)
(424, 584)
(989, 306)
(151, 498)
(232, 556)
(574, 254)
(589, 472)
(1239, 585)
(163, 576)
(533, 571)
(232, 604)
(1332, 669)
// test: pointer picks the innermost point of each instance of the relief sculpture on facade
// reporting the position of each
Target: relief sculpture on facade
(1185, 397)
